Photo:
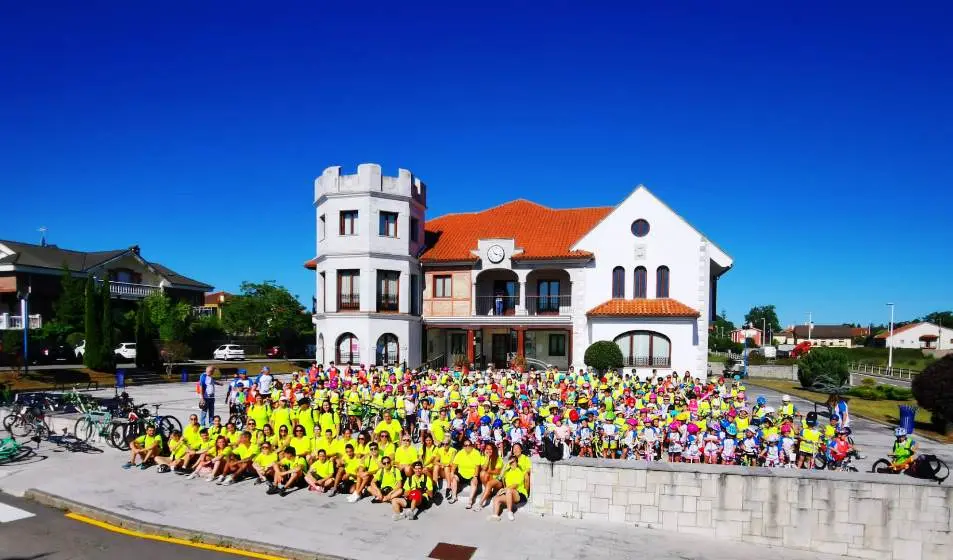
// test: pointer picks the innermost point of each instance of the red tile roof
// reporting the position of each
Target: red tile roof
(884, 334)
(312, 264)
(541, 232)
(664, 307)
(213, 298)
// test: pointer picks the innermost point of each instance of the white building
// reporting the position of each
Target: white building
(519, 279)
(926, 336)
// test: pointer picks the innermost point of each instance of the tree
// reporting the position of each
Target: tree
(823, 367)
(172, 319)
(93, 325)
(146, 355)
(108, 355)
(603, 355)
(764, 315)
(69, 307)
(941, 318)
(933, 389)
(722, 326)
(265, 310)
(204, 334)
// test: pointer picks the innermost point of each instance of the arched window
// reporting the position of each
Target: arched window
(387, 354)
(645, 348)
(347, 350)
(661, 282)
(618, 282)
(640, 283)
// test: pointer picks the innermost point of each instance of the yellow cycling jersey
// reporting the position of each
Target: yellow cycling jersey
(302, 445)
(265, 460)
(406, 455)
(323, 469)
(388, 478)
(244, 452)
(148, 442)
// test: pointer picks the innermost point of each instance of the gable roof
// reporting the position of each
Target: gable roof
(541, 232)
(897, 330)
(662, 307)
(52, 257)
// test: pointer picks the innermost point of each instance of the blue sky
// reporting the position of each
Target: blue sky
(812, 142)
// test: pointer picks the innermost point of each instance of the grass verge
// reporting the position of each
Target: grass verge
(881, 411)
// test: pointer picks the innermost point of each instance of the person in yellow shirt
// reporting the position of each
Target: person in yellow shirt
(304, 416)
(145, 447)
(281, 416)
(328, 420)
(289, 471)
(443, 465)
(232, 433)
(491, 470)
(385, 444)
(369, 465)
(213, 459)
(514, 490)
(385, 485)
(466, 470)
(259, 411)
(406, 455)
(240, 461)
(190, 433)
(389, 425)
(341, 442)
(417, 495)
(320, 475)
(440, 427)
(265, 462)
(348, 467)
(361, 449)
(177, 448)
(325, 442)
(301, 441)
(428, 456)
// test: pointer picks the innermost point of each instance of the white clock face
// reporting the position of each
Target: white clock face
(495, 253)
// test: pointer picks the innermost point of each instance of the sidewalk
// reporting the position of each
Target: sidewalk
(332, 526)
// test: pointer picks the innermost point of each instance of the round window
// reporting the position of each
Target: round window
(640, 228)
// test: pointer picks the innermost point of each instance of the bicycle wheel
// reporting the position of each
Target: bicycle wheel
(820, 462)
(238, 420)
(176, 425)
(83, 430)
(117, 437)
(165, 426)
(851, 468)
(9, 419)
(21, 426)
(881, 466)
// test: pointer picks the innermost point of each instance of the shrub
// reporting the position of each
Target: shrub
(868, 382)
(823, 366)
(933, 388)
(866, 393)
(73, 339)
(603, 355)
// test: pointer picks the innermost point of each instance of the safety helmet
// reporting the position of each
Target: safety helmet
(785, 398)
(900, 432)
(497, 423)
(762, 401)
(732, 430)
(485, 420)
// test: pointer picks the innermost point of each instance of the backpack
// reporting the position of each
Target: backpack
(928, 467)
(551, 450)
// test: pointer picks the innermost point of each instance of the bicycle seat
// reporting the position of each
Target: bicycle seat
(157, 407)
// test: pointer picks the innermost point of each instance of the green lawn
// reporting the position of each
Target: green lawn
(906, 358)
(717, 358)
(882, 411)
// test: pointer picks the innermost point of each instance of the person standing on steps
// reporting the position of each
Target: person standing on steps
(207, 385)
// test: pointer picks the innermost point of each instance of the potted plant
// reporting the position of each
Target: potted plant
(460, 362)
(519, 363)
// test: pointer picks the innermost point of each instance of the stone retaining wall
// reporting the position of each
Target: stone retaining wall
(862, 515)
(773, 372)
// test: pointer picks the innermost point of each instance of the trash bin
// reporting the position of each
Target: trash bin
(185, 375)
(907, 415)
(120, 379)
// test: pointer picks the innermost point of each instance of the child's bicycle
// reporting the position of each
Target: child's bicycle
(11, 451)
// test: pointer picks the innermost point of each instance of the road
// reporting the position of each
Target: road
(48, 534)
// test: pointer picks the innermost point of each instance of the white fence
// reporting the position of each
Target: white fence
(882, 371)
(15, 322)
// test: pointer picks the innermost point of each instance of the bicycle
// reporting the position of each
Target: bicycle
(124, 432)
(11, 450)
(92, 422)
(237, 415)
(30, 419)
(890, 466)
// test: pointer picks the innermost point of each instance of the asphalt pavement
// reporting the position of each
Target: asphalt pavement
(49, 535)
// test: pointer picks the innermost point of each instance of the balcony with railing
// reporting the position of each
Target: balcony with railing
(647, 361)
(549, 305)
(205, 311)
(349, 302)
(535, 306)
(127, 290)
(10, 322)
(387, 303)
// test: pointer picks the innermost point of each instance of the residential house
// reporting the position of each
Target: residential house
(516, 280)
(839, 336)
(740, 335)
(922, 335)
(39, 270)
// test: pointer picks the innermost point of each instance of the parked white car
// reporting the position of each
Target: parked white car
(80, 349)
(229, 352)
(126, 350)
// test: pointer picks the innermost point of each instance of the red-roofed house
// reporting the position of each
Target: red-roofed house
(923, 335)
(518, 279)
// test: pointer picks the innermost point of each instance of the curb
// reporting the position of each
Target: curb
(159, 530)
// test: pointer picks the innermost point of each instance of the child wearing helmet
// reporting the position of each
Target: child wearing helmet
(809, 441)
(904, 449)
(728, 447)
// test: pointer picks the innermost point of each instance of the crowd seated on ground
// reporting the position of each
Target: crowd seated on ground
(414, 439)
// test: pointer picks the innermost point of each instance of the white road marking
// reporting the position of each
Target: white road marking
(10, 513)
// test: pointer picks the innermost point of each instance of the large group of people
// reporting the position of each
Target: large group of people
(412, 439)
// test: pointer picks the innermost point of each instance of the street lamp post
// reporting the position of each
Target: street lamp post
(810, 323)
(745, 351)
(890, 339)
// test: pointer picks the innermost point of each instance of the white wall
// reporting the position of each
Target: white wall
(910, 338)
(680, 332)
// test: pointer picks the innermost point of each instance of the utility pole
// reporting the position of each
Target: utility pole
(810, 324)
(25, 323)
(890, 339)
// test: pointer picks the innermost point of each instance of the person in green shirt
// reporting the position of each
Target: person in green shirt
(417, 495)
(146, 448)
(240, 461)
(514, 491)
(320, 477)
(265, 462)
(386, 483)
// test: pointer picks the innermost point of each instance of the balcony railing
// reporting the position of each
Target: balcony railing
(15, 322)
(351, 302)
(647, 361)
(387, 303)
(496, 305)
(205, 311)
(342, 358)
(132, 291)
(548, 305)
